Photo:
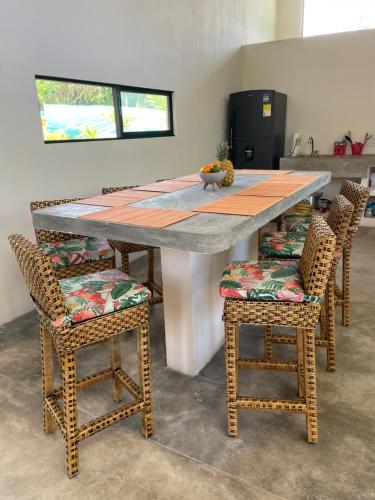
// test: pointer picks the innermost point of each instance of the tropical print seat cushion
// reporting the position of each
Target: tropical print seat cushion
(103, 292)
(296, 223)
(77, 251)
(353, 230)
(282, 245)
(264, 280)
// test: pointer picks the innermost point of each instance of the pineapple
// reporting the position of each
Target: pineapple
(222, 150)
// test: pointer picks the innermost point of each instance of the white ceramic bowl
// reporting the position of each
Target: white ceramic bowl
(213, 177)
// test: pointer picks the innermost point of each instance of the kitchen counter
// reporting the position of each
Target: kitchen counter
(347, 166)
(341, 167)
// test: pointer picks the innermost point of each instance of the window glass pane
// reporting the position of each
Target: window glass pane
(144, 112)
(72, 111)
(321, 16)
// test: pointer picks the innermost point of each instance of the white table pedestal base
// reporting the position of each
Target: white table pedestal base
(194, 330)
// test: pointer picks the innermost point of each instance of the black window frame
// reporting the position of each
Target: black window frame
(116, 93)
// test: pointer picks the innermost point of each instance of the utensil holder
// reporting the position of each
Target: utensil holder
(339, 149)
(357, 148)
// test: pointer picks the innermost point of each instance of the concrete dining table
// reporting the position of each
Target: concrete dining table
(194, 251)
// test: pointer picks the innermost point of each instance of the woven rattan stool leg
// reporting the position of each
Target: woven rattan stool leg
(300, 363)
(259, 236)
(150, 265)
(114, 347)
(113, 261)
(346, 258)
(46, 346)
(145, 379)
(125, 262)
(268, 343)
(331, 325)
(70, 412)
(310, 386)
(323, 322)
(231, 362)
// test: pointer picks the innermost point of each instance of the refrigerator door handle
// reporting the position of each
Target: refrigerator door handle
(231, 138)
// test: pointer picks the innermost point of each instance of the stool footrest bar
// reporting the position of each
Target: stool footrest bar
(271, 404)
(283, 339)
(128, 383)
(86, 382)
(321, 342)
(54, 409)
(289, 339)
(338, 291)
(98, 424)
(267, 365)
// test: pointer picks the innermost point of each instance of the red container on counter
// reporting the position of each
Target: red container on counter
(339, 148)
(357, 148)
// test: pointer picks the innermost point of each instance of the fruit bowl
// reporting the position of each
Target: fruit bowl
(213, 178)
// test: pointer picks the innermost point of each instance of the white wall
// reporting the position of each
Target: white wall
(189, 46)
(329, 81)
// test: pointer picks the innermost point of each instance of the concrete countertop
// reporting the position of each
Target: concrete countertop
(347, 166)
(203, 233)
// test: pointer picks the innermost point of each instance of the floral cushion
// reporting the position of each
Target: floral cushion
(296, 223)
(353, 230)
(77, 251)
(282, 245)
(95, 294)
(264, 280)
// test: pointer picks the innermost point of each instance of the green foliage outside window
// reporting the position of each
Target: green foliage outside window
(137, 100)
(56, 92)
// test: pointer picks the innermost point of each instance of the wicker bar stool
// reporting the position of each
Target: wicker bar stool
(284, 294)
(289, 244)
(75, 313)
(125, 248)
(338, 220)
(358, 196)
(72, 254)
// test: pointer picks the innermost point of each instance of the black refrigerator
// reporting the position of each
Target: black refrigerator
(257, 128)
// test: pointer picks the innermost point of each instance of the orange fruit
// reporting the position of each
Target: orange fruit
(206, 169)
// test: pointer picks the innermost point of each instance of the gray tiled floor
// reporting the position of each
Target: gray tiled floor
(190, 455)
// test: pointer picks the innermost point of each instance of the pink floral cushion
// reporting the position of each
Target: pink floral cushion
(100, 293)
(265, 280)
(353, 230)
(282, 245)
(77, 251)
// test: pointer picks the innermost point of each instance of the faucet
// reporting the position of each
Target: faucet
(311, 141)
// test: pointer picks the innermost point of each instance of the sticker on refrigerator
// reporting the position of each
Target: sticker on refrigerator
(267, 110)
(266, 98)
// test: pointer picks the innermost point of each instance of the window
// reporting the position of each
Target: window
(75, 110)
(144, 112)
(321, 16)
